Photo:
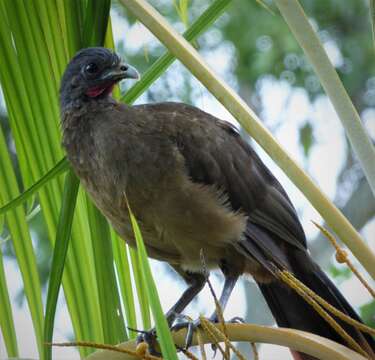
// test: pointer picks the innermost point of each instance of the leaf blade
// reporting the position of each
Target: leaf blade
(6, 316)
(164, 335)
(59, 255)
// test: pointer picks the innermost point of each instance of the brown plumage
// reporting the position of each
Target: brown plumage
(193, 183)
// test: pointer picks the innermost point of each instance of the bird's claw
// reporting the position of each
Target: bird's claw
(191, 326)
(236, 320)
(149, 337)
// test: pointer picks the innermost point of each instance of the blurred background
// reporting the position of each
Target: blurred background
(252, 49)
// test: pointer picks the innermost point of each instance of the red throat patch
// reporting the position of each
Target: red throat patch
(99, 90)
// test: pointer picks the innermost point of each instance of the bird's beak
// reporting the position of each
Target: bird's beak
(122, 71)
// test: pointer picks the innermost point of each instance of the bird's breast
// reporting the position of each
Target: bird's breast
(178, 218)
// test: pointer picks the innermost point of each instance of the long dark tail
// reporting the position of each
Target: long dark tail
(292, 311)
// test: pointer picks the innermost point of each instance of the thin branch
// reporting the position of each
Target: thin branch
(307, 343)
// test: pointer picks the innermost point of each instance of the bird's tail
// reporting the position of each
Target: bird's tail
(291, 310)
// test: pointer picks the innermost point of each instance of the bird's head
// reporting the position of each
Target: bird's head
(92, 74)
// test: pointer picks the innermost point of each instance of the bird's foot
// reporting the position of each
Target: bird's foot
(149, 337)
(190, 325)
(193, 325)
(214, 319)
(236, 320)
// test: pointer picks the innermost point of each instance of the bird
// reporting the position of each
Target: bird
(195, 187)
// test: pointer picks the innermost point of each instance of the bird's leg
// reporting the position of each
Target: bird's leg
(196, 282)
(229, 283)
(231, 277)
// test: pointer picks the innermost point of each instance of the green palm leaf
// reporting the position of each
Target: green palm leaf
(45, 35)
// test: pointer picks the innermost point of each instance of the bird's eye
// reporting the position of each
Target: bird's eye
(91, 68)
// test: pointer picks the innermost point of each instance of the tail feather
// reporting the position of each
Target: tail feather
(291, 310)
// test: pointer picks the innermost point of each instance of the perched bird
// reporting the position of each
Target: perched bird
(194, 185)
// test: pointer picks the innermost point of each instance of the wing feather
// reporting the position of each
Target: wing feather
(215, 154)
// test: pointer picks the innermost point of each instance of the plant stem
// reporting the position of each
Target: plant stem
(310, 344)
(307, 38)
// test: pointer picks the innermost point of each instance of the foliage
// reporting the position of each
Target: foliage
(269, 48)
(36, 40)
(91, 306)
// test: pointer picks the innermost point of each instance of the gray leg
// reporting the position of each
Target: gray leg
(196, 282)
(230, 282)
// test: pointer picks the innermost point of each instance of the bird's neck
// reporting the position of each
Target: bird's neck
(78, 120)
(75, 111)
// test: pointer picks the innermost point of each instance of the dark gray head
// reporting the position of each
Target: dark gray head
(91, 74)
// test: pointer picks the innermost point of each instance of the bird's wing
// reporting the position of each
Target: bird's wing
(215, 154)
